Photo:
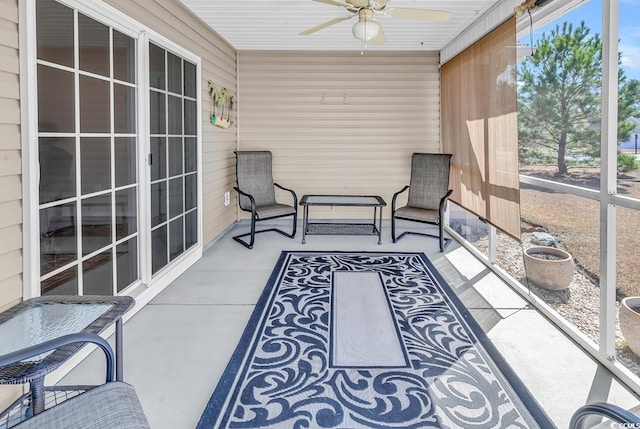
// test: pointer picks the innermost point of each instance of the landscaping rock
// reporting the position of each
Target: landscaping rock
(544, 239)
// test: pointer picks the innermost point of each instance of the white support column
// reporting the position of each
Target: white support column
(608, 177)
(493, 244)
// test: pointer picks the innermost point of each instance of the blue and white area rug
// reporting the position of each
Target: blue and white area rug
(366, 340)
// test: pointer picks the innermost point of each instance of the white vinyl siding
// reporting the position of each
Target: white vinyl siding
(340, 122)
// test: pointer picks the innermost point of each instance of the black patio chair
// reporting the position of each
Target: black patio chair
(112, 405)
(256, 194)
(428, 195)
(597, 410)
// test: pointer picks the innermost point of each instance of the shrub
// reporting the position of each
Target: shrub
(531, 156)
(627, 163)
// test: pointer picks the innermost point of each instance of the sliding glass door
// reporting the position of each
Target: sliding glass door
(173, 157)
(117, 198)
(87, 147)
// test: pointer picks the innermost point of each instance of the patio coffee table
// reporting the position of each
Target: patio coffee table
(332, 228)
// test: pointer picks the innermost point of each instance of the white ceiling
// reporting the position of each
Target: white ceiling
(275, 24)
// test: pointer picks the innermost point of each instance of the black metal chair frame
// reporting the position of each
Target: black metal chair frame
(255, 217)
(444, 242)
(19, 360)
(113, 404)
(603, 409)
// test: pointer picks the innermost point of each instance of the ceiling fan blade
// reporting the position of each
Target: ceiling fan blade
(324, 25)
(334, 3)
(422, 14)
(379, 39)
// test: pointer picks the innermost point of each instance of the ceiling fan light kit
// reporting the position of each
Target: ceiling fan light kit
(367, 27)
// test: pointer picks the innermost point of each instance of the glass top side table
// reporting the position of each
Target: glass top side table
(43, 318)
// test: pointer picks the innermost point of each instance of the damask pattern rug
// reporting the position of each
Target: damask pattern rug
(366, 340)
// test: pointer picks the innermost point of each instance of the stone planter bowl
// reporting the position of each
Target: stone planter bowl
(630, 322)
(554, 274)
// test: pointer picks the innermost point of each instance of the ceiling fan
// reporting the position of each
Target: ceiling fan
(367, 29)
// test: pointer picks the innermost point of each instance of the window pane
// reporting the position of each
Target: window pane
(555, 213)
(469, 227)
(127, 263)
(190, 154)
(158, 203)
(559, 93)
(175, 156)
(124, 104)
(96, 223)
(124, 57)
(190, 192)
(126, 212)
(628, 119)
(189, 79)
(158, 248)
(191, 229)
(95, 158)
(55, 42)
(628, 285)
(175, 197)
(157, 113)
(125, 160)
(58, 239)
(57, 168)
(175, 115)
(156, 67)
(65, 283)
(176, 238)
(97, 274)
(158, 158)
(95, 113)
(93, 46)
(56, 100)
(190, 118)
(174, 70)
(628, 220)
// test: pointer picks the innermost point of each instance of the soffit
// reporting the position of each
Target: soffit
(276, 24)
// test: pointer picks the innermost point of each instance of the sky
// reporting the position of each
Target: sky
(629, 30)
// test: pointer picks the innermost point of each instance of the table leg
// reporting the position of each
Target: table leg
(305, 220)
(380, 228)
(375, 214)
(37, 395)
(119, 350)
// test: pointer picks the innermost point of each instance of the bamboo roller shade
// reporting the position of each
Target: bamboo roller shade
(480, 128)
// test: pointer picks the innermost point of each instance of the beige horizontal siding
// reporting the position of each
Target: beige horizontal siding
(171, 19)
(340, 122)
(11, 290)
(10, 136)
(10, 159)
(10, 190)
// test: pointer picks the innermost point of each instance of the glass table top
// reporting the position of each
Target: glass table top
(43, 322)
(45, 318)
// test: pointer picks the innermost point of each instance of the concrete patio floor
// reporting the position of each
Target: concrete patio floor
(177, 346)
